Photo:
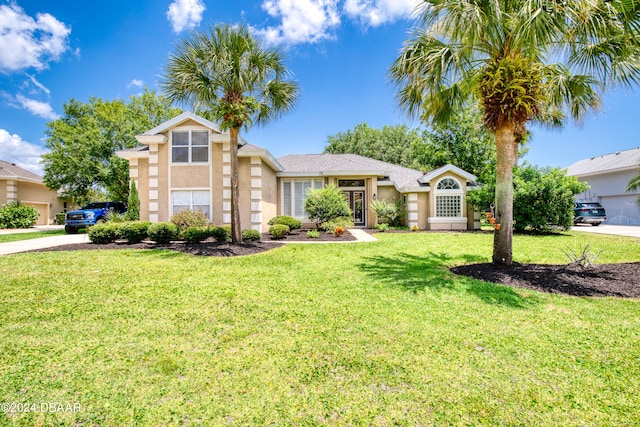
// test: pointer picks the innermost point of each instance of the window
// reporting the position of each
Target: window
(448, 195)
(294, 194)
(194, 200)
(190, 146)
(351, 183)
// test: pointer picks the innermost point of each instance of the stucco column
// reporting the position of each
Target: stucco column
(153, 182)
(412, 210)
(226, 183)
(12, 190)
(133, 172)
(256, 193)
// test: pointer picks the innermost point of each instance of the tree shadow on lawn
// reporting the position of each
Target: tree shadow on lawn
(417, 273)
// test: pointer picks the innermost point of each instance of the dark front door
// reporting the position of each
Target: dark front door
(356, 204)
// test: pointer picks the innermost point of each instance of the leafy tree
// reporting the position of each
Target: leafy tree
(543, 197)
(83, 142)
(133, 204)
(525, 60)
(326, 204)
(231, 78)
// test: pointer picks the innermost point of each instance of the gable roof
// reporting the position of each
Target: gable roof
(404, 179)
(613, 162)
(181, 118)
(11, 171)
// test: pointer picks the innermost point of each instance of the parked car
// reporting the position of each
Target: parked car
(91, 214)
(587, 212)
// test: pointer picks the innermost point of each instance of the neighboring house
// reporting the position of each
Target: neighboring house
(609, 176)
(186, 163)
(20, 185)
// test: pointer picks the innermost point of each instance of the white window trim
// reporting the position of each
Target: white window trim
(191, 189)
(190, 129)
(292, 207)
(448, 192)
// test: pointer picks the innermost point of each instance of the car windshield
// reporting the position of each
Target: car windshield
(95, 205)
(591, 205)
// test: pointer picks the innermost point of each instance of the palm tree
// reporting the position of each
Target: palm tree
(524, 60)
(227, 75)
(634, 184)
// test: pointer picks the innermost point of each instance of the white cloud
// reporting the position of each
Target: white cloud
(135, 83)
(185, 14)
(37, 108)
(24, 154)
(378, 12)
(29, 43)
(33, 82)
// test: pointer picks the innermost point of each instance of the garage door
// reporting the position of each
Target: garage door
(621, 210)
(43, 210)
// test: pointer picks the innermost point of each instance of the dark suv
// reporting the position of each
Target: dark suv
(587, 212)
(91, 214)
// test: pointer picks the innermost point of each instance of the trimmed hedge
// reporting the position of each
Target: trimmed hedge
(219, 233)
(189, 218)
(278, 231)
(163, 232)
(134, 231)
(196, 234)
(251, 235)
(102, 234)
(289, 221)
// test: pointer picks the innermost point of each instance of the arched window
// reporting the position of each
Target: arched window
(448, 195)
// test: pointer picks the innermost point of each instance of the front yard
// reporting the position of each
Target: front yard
(356, 334)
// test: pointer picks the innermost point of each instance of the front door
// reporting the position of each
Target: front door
(356, 204)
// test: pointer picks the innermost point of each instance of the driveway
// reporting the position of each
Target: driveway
(618, 230)
(42, 242)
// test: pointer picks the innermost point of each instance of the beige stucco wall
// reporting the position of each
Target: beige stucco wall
(37, 195)
(216, 183)
(244, 185)
(3, 191)
(163, 182)
(270, 190)
(142, 181)
(463, 223)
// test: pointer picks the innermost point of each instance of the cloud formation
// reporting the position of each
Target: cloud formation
(185, 14)
(135, 83)
(26, 42)
(311, 21)
(24, 154)
(37, 108)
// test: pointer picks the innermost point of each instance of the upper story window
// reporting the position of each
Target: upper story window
(448, 194)
(190, 146)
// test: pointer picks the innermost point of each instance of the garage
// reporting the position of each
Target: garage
(43, 210)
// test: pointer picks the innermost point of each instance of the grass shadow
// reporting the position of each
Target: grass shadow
(495, 294)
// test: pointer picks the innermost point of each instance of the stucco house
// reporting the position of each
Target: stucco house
(20, 185)
(186, 163)
(609, 176)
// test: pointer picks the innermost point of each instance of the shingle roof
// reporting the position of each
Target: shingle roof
(317, 164)
(10, 170)
(621, 160)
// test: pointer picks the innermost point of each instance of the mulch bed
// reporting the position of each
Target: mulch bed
(301, 236)
(603, 280)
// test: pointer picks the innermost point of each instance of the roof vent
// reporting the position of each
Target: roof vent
(13, 164)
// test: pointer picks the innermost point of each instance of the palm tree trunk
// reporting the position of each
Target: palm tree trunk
(236, 228)
(506, 161)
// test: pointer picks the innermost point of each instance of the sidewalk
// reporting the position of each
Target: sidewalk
(43, 242)
(618, 230)
(33, 229)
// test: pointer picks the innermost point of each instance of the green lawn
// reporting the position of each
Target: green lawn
(14, 237)
(374, 334)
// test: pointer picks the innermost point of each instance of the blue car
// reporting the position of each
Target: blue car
(587, 212)
(91, 214)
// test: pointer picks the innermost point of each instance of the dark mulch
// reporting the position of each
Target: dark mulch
(616, 280)
(301, 236)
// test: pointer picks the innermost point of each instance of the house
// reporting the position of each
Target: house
(20, 185)
(609, 176)
(186, 163)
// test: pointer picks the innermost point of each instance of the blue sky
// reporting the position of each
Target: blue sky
(339, 50)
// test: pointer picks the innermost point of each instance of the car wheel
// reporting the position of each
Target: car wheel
(100, 221)
(70, 230)
(595, 224)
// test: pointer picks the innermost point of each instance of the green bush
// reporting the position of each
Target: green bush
(289, 221)
(163, 232)
(227, 228)
(60, 218)
(390, 212)
(382, 227)
(189, 218)
(196, 234)
(326, 204)
(104, 233)
(220, 234)
(313, 234)
(113, 216)
(135, 231)
(278, 231)
(16, 215)
(251, 235)
(344, 222)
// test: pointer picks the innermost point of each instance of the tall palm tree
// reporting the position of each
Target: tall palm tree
(634, 184)
(228, 76)
(524, 60)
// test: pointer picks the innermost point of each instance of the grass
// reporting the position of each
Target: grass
(14, 237)
(361, 334)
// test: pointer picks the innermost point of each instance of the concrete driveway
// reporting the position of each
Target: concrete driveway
(618, 230)
(42, 242)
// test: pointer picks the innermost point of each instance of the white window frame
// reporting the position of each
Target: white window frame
(190, 147)
(191, 204)
(444, 195)
(291, 209)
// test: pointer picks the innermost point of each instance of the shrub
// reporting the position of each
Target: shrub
(134, 231)
(382, 227)
(326, 204)
(388, 211)
(338, 231)
(196, 234)
(330, 226)
(16, 215)
(313, 234)
(251, 235)
(278, 231)
(133, 204)
(104, 233)
(220, 234)
(227, 228)
(289, 221)
(189, 218)
(60, 218)
(113, 216)
(163, 232)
